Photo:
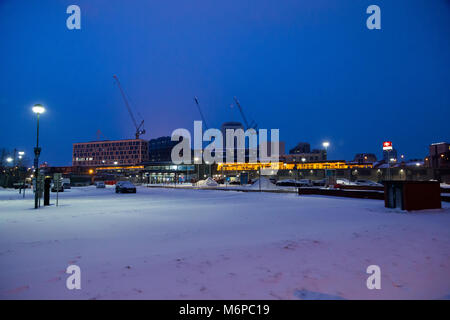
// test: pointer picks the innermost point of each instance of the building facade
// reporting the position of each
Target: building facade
(301, 148)
(365, 158)
(314, 156)
(160, 149)
(439, 156)
(390, 156)
(108, 153)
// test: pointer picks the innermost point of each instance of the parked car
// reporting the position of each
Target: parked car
(368, 183)
(319, 183)
(100, 184)
(294, 183)
(59, 189)
(304, 183)
(345, 182)
(125, 187)
(287, 183)
(66, 185)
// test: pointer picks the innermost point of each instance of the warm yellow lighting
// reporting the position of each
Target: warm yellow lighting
(91, 171)
(38, 108)
(255, 166)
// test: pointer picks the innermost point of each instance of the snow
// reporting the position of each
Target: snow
(210, 244)
(265, 184)
(209, 182)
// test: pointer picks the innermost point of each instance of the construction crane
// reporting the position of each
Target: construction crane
(253, 124)
(139, 128)
(200, 111)
(100, 135)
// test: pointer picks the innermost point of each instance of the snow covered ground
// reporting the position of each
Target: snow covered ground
(210, 244)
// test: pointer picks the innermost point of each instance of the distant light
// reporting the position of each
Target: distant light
(91, 171)
(418, 164)
(115, 162)
(9, 159)
(20, 157)
(38, 108)
(392, 159)
(303, 159)
(326, 144)
(21, 153)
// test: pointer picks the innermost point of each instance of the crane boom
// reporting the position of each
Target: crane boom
(139, 131)
(253, 125)
(200, 111)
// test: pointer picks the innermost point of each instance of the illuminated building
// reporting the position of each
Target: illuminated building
(338, 164)
(107, 153)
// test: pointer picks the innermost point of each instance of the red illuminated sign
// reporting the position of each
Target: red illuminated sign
(387, 145)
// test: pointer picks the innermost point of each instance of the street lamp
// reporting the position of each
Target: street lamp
(38, 109)
(196, 159)
(9, 159)
(326, 144)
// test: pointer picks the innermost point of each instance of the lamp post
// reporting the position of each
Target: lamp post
(38, 109)
(196, 159)
(326, 144)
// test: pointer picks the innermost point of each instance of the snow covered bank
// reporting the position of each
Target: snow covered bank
(206, 244)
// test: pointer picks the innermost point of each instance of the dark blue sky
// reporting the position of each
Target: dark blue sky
(310, 68)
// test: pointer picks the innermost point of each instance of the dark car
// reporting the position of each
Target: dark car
(66, 185)
(125, 187)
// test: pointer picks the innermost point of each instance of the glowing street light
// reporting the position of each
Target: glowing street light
(197, 167)
(38, 109)
(326, 144)
(9, 159)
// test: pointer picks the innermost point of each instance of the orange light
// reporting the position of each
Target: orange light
(91, 171)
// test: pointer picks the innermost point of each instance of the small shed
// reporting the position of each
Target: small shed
(412, 195)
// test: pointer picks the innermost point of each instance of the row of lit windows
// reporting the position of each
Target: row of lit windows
(107, 158)
(104, 153)
(143, 149)
(109, 144)
(126, 161)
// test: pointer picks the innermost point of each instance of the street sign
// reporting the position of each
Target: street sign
(387, 145)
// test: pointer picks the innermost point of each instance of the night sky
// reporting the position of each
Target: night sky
(310, 68)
